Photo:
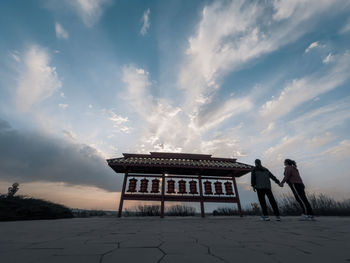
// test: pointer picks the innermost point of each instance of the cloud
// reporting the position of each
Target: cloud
(312, 45)
(15, 55)
(168, 128)
(34, 157)
(119, 122)
(345, 28)
(38, 80)
(60, 31)
(212, 117)
(63, 106)
(230, 36)
(69, 134)
(307, 88)
(340, 151)
(302, 9)
(89, 10)
(328, 59)
(137, 83)
(117, 118)
(322, 119)
(300, 146)
(145, 22)
(309, 136)
(270, 127)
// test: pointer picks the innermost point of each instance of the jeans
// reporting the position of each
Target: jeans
(261, 196)
(299, 194)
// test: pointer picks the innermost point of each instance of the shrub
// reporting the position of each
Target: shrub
(148, 210)
(154, 210)
(322, 205)
(24, 208)
(181, 210)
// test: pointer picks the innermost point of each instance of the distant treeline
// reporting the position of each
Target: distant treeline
(89, 213)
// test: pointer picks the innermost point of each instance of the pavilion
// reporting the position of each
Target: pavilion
(175, 176)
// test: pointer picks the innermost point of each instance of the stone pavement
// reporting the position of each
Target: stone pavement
(212, 239)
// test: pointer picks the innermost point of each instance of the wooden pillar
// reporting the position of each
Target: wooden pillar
(201, 195)
(237, 196)
(122, 195)
(162, 201)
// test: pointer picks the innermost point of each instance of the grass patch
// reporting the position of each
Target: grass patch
(154, 210)
(180, 210)
(322, 205)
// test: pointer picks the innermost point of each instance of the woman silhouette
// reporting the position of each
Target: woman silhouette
(293, 179)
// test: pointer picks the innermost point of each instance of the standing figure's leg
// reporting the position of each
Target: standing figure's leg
(300, 189)
(262, 201)
(296, 195)
(273, 202)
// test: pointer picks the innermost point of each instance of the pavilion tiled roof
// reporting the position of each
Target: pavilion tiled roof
(178, 162)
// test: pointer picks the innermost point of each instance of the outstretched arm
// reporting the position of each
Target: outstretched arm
(287, 174)
(274, 178)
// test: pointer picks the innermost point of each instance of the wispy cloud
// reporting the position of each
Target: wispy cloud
(60, 31)
(15, 55)
(232, 34)
(145, 22)
(345, 28)
(328, 59)
(324, 118)
(137, 82)
(307, 88)
(63, 106)
(312, 45)
(169, 128)
(38, 80)
(69, 134)
(119, 122)
(307, 137)
(340, 151)
(89, 10)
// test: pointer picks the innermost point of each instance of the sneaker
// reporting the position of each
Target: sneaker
(304, 217)
(278, 218)
(311, 217)
(265, 218)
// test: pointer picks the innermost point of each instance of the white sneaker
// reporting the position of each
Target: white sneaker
(278, 218)
(265, 218)
(304, 217)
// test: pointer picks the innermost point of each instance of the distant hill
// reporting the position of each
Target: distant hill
(25, 208)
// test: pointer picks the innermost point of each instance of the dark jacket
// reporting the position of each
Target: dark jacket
(261, 178)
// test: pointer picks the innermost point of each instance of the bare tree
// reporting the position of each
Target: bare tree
(12, 190)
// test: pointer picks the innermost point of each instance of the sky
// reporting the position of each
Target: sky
(82, 81)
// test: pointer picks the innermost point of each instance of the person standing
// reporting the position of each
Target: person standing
(293, 179)
(260, 181)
